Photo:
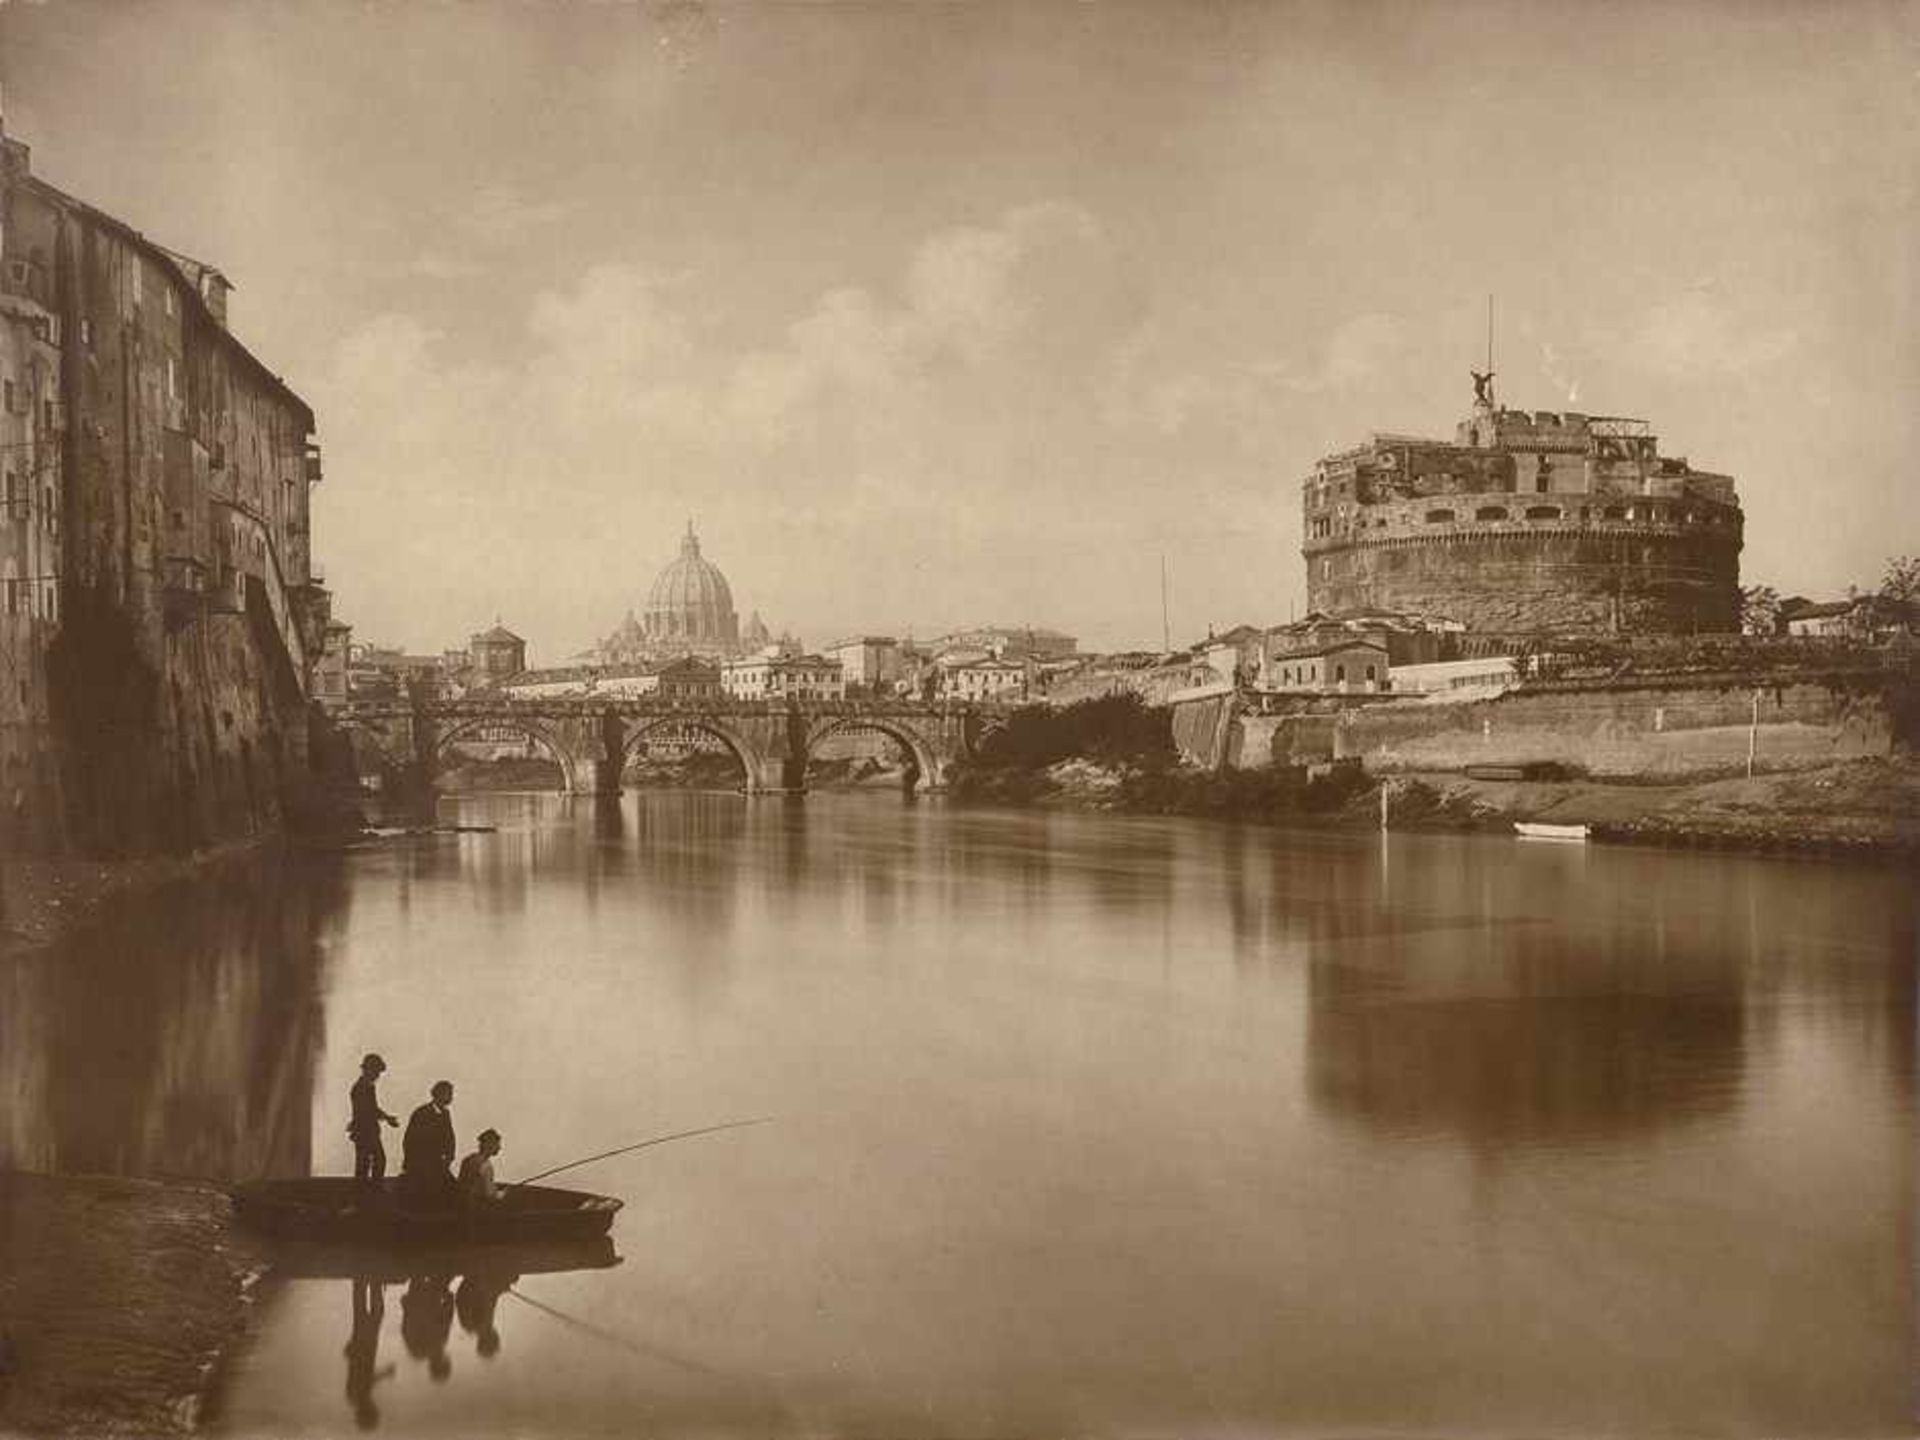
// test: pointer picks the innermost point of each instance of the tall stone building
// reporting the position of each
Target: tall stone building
(161, 612)
(1526, 523)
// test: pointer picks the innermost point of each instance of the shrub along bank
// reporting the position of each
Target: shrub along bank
(1117, 753)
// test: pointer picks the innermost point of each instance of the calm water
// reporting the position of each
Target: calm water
(1084, 1126)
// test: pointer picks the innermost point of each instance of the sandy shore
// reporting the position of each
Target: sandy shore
(117, 1299)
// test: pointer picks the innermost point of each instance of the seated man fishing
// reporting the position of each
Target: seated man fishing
(476, 1182)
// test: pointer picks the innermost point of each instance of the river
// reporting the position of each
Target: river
(1082, 1124)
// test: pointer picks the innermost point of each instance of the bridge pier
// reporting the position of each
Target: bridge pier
(596, 777)
(774, 775)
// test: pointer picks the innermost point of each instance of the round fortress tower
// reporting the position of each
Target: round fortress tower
(1527, 522)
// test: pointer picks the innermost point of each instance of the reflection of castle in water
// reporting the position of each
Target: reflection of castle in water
(1456, 1013)
(177, 1035)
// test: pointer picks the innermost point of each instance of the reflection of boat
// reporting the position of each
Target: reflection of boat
(395, 1264)
(1536, 830)
(342, 1208)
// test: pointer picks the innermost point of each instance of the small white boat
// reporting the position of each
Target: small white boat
(1535, 830)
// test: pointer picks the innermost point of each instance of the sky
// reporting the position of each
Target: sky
(933, 315)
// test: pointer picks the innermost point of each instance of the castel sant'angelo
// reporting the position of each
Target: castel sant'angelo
(1526, 523)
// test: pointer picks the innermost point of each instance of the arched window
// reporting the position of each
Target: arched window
(1543, 512)
(1491, 512)
(1439, 517)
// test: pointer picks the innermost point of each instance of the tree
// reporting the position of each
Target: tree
(1759, 610)
(1899, 596)
(1902, 581)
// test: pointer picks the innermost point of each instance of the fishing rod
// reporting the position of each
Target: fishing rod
(641, 1145)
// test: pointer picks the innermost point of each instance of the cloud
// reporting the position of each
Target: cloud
(498, 213)
(1355, 350)
(1699, 334)
(1556, 371)
(931, 434)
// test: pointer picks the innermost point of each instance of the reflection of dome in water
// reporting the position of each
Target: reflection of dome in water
(690, 607)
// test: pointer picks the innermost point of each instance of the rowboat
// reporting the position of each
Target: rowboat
(1535, 830)
(382, 1213)
(396, 1264)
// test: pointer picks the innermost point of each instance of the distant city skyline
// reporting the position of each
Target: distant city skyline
(941, 316)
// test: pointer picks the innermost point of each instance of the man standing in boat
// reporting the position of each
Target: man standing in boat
(369, 1154)
(426, 1150)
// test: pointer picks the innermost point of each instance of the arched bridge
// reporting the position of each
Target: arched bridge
(593, 740)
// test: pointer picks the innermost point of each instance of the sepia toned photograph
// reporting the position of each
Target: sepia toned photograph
(959, 719)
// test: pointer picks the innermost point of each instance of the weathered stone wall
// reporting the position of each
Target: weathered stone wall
(29, 566)
(176, 673)
(1551, 575)
(1202, 729)
(1662, 732)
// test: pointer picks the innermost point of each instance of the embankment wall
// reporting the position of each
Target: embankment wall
(1665, 732)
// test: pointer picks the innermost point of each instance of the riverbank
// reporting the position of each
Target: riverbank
(118, 1299)
(1865, 807)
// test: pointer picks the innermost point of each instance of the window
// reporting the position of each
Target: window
(1340, 674)
(1369, 672)
(1543, 512)
(9, 396)
(86, 332)
(1439, 517)
(1490, 512)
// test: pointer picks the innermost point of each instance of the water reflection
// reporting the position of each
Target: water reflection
(1523, 996)
(1097, 1125)
(175, 1035)
(364, 1371)
(438, 1290)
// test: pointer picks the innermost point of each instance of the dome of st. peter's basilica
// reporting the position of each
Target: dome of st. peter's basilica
(690, 608)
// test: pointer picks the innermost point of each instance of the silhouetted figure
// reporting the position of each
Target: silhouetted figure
(426, 1322)
(1482, 387)
(363, 1351)
(369, 1153)
(476, 1183)
(426, 1151)
(476, 1300)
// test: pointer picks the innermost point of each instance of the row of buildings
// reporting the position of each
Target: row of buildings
(688, 643)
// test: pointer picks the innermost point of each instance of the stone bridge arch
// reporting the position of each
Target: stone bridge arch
(927, 766)
(755, 763)
(572, 770)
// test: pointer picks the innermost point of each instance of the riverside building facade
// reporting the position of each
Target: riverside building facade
(159, 612)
